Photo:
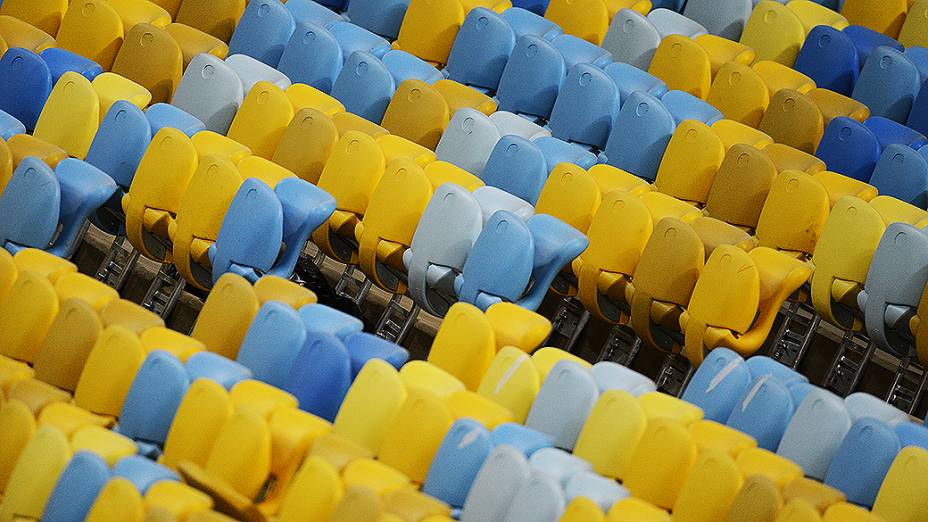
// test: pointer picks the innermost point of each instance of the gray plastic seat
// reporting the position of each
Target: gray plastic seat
(540, 499)
(613, 376)
(510, 123)
(861, 405)
(496, 484)
(211, 91)
(632, 39)
(815, 432)
(668, 22)
(558, 464)
(563, 403)
(725, 18)
(251, 71)
(492, 199)
(605, 492)
(468, 140)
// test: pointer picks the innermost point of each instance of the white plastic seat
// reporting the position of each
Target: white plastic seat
(815, 432)
(558, 464)
(499, 479)
(540, 499)
(510, 123)
(668, 22)
(612, 376)
(862, 404)
(211, 91)
(632, 39)
(563, 403)
(251, 71)
(725, 18)
(468, 140)
(492, 199)
(605, 492)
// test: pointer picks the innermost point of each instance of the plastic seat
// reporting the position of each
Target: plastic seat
(386, 22)
(719, 384)
(201, 415)
(794, 119)
(143, 417)
(861, 405)
(829, 57)
(867, 40)
(629, 79)
(30, 204)
(902, 173)
(586, 105)
(901, 496)
(566, 382)
(683, 64)
(665, 445)
(77, 487)
(725, 19)
(685, 106)
(640, 135)
(468, 140)
(862, 460)
(764, 413)
(807, 425)
(33, 478)
(613, 376)
(690, 162)
(272, 344)
(263, 31)
(428, 30)
(95, 33)
(320, 375)
(370, 405)
(775, 32)
(364, 85)
(545, 66)
(498, 480)
(25, 87)
(911, 32)
(609, 447)
(142, 473)
(70, 116)
(481, 49)
(504, 247)
(161, 115)
(632, 39)
(210, 91)
(850, 148)
(888, 84)
(889, 132)
(740, 94)
(887, 20)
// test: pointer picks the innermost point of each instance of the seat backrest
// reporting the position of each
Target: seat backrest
(33, 478)
(370, 405)
(320, 375)
(815, 432)
(481, 49)
(740, 94)
(120, 142)
(888, 84)
(764, 412)
(741, 186)
(889, 132)
(517, 166)
(383, 17)
(429, 28)
(251, 233)
(912, 32)
(571, 195)
(217, 18)
(902, 173)
(156, 392)
(793, 119)
(665, 444)
(849, 147)
(263, 31)
(726, 18)
(863, 459)
(364, 85)
(887, 19)
(415, 434)
(774, 32)
(498, 480)
(150, 57)
(557, 244)
(25, 85)
(70, 116)
(30, 206)
(417, 112)
(568, 384)
(901, 496)
(84, 189)
(312, 56)
(532, 77)
(44, 14)
(305, 207)
(468, 359)
(458, 459)
(629, 79)
(499, 265)
(77, 487)
(640, 135)
(683, 65)
(719, 384)
(351, 38)
(262, 119)
(585, 107)
(306, 144)
(211, 91)
(830, 58)
(606, 446)
(95, 32)
(685, 106)
(794, 213)
(468, 140)
(632, 39)
(690, 163)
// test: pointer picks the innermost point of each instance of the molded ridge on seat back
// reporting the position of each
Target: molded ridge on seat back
(481, 49)
(25, 84)
(532, 77)
(640, 135)
(263, 31)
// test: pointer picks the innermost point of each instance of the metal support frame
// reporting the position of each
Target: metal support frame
(353, 285)
(570, 318)
(854, 353)
(908, 385)
(118, 264)
(675, 374)
(622, 346)
(795, 334)
(397, 321)
(164, 291)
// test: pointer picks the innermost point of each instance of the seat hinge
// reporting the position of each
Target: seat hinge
(397, 321)
(622, 346)
(118, 264)
(795, 334)
(675, 374)
(854, 352)
(570, 318)
(164, 291)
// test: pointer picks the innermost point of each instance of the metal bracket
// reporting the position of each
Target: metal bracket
(164, 291)
(795, 334)
(908, 385)
(570, 318)
(675, 374)
(854, 352)
(118, 264)
(396, 321)
(353, 285)
(622, 346)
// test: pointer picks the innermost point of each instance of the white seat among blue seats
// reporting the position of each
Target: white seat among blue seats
(719, 384)
(764, 412)
(563, 403)
(60, 61)
(725, 18)
(161, 115)
(558, 464)
(815, 432)
(640, 135)
(862, 460)
(492, 200)
(77, 488)
(210, 91)
(263, 31)
(861, 405)
(272, 343)
(521, 437)
(829, 57)
(670, 21)
(902, 173)
(321, 375)
(10, 126)
(539, 499)
(251, 71)
(495, 485)
(25, 84)
(585, 108)
(512, 124)
(320, 318)
(468, 140)
(685, 106)
(212, 366)
(601, 490)
(629, 79)
(142, 472)
(152, 400)
(613, 376)
(633, 38)
(849, 147)
(457, 461)
(888, 84)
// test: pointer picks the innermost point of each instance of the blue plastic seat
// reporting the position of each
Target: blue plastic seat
(153, 398)
(761, 365)
(272, 343)
(29, 207)
(523, 22)
(918, 117)
(251, 233)
(866, 41)
(84, 189)
(312, 56)
(919, 57)
(586, 105)
(383, 17)
(142, 472)
(120, 142)
(353, 38)
(912, 434)
(60, 61)
(10, 126)
(337, 5)
(405, 66)
(862, 460)
(559, 151)
(532, 78)
(902, 173)
(320, 318)
(536, 6)
(321, 375)
(263, 31)
(517, 166)
(500, 263)
(363, 347)
(77, 488)
(481, 49)
(849, 147)
(629, 79)
(830, 58)
(890, 132)
(305, 207)
(520, 437)
(640, 135)
(764, 412)
(685, 106)
(556, 245)
(310, 11)
(364, 86)
(800, 390)
(462, 452)
(577, 50)
(212, 366)
(161, 115)
(25, 83)
(888, 84)
(719, 384)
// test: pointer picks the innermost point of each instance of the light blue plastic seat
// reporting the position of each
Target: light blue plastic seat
(521, 437)
(84, 189)
(719, 384)
(577, 50)
(60, 61)
(251, 233)
(558, 464)
(77, 488)
(363, 347)
(815, 432)
(849, 147)
(25, 83)
(614, 376)
(557, 244)
(800, 390)
(263, 31)
(121, 140)
(405, 66)
(305, 207)
(321, 318)
(685, 106)
(142, 472)
(153, 398)
(640, 135)
(586, 105)
(902, 173)
(861, 404)
(523, 21)
(321, 375)
(761, 365)
(364, 86)
(459, 457)
(888, 84)
(862, 461)
(532, 77)
(517, 166)
(212, 366)
(10, 126)
(492, 490)
(353, 38)
(161, 115)
(29, 207)
(912, 434)
(764, 412)
(312, 56)
(481, 49)
(383, 17)
(867, 40)
(830, 58)
(310, 11)
(559, 151)
(563, 403)
(889, 132)
(272, 343)
(629, 79)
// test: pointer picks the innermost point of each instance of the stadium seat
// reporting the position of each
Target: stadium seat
(775, 32)
(726, 19)
(262, 31)
(210, 91)
(95, 32)
(888, 84)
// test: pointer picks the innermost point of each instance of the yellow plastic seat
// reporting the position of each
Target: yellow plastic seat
(733, 133)
(412, 438)
(202, 413)
(347, 121)
(22, 146)
(417, 112)
(832, 105)
(71, 337)
(610, 178)
(118, 500)
(176, 498)
(152, 58)
(839, 185)
(589, 19)
(226, 315)
(70, 419)
(722, 50)
(785, 157)
(903, 495)
(44, 15)
(314, 492)
(816, 494)
(6, 155)
(130, 315)
(779, 470)
(26, 314)
(683, 65)
(429, 27)
(775, 32)
(293, 433)
(274, 288)
(409, 504)
(134, 12)
(303, 96)
(657, 405)
(109, 371)
(108, 444)
(759, 499)
(661, 462)
(260, 398)
(36, 394)
(193, 42)
(94, 31)
(441, 172)
(18, 425)
(394, 147)
(778, 76)
(71, 115)
(359, 504)
(350, 175)
(200, 215)
(426, 376)
(339, 451)
(210, 143)
(741, 186)
(374, 475)
(844, 512)
(33, 477)
(385, 234)
(17, 33)
(795, 120)
(636, 509)
(511, 381)
(794, 213)
(171, 341)
(112, 87)
(813, 14)
(690, 163)
(85, 288)
(609, 445)
(11, 372)
(307, 144)
(712, 436)
(518, 327)
(582, 509)
(474, 406)
(375, 396)
(215, 18)
(262, 119)
(545, 359)
(263, 170)
(913, 32)
(739, 93)
(571, 195)
(459, 96)
(465, 344)
(710, 488)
